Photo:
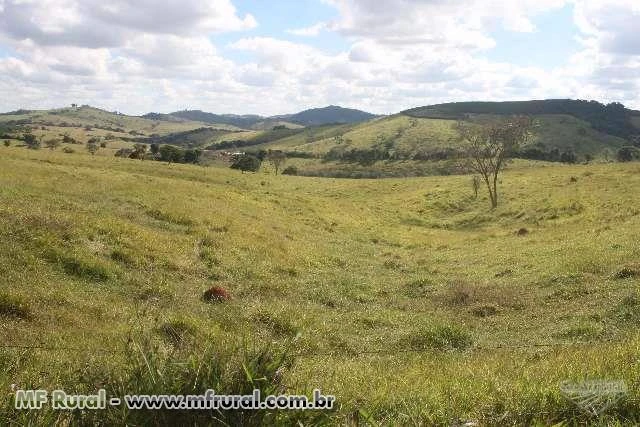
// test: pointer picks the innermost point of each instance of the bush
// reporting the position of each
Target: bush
(627, 154)
(290, 170)
(31, 141)
(92, 147)
(247, 162)
(440, 338)
(177, 332)
(7, 143)
(14, 307)
(171, 154)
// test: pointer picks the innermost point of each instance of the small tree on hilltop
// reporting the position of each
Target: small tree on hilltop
(247, 162)
(489, 148)
(277, 158)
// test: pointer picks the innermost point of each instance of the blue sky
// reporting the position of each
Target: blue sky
(243, 56)
(549, 46)
(276, 17)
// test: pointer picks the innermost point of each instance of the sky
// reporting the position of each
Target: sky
(282, 56)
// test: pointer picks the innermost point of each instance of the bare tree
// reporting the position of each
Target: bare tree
(489, 147)
(139, 151)
(277, 158)
(475, 184)
(52, 143)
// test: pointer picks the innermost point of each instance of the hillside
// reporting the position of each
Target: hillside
(311, 117)
(89, 117)
(104, 261)
(421, 141)
(613, 118)
(244, 121)
(328, 115)
(404, 145)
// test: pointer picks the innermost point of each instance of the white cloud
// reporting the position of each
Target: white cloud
(140, 56)
(96, 24)
(311, 31)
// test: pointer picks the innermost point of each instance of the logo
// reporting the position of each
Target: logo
(594, 396)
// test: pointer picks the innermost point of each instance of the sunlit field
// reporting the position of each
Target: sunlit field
(408, 299)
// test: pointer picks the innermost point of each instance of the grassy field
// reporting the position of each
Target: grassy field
(408, 299)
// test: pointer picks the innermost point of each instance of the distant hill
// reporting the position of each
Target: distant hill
(244, 121)
(313, 117)
(328, 115)
(613, 119)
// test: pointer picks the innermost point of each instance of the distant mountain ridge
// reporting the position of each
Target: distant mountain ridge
(328, 115)
(613, 118)
(312, 117)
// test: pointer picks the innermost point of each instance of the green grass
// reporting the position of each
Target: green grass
(411, 301)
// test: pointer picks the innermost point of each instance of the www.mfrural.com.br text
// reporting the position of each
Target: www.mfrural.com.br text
(60, 400)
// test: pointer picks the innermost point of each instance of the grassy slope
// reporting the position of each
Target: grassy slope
(94, 117)
(100, 246)
(412, 134)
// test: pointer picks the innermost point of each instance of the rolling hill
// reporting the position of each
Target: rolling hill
(419, 141)
(328, 115)
(312, 117)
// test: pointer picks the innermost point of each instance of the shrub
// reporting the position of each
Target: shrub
(177, 332)
(627, 154)
(51, 144)
(92, 147)
(14, 307)
(31, 141)
(171, 154)
(484, 311)
(290, 170)
(7, 143)
(439, 338)
(247, 162)
(460, 293)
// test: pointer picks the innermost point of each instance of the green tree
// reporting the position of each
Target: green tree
(31, 141)
(246, 162)
(627, 154)
(171, 154)
(192, 156)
